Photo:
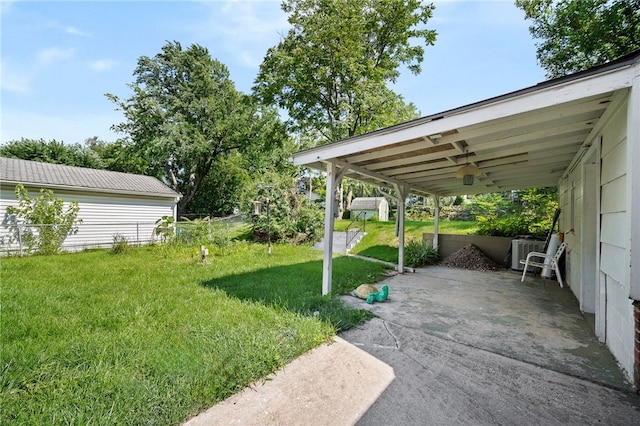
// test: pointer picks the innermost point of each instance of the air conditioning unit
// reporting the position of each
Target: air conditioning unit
(520, 249)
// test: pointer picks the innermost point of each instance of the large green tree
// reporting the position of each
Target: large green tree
(223, 188)
(52, 151)
(574, 35)
(330, 72)
(185, 114)
(117, 156)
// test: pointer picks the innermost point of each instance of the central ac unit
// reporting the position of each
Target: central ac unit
(520, 249)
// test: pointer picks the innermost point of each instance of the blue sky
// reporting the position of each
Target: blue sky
(58, 59)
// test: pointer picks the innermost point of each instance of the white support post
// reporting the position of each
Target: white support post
(436, 220)
(329, 206)
(402, 196)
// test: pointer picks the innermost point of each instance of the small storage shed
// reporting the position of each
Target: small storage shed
(110, 202)
(371, 206)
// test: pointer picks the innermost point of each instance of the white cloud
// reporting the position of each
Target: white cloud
(243, 29)
(75, 31)
(68, 127)
(102, 64)
(5, 6)
(13, 79)
(53, 54)
(19, 76)
(69, 29)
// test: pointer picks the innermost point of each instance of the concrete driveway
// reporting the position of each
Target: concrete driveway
(470, 347)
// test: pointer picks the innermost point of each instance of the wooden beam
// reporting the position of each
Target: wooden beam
(415, 159)
(388, 152)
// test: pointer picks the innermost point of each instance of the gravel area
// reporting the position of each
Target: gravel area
(470, 257)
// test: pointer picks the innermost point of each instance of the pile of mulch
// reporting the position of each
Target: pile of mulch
(470, 257)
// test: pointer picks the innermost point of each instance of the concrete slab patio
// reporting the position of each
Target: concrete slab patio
(449, 347)
(470, 347)
(536, 321)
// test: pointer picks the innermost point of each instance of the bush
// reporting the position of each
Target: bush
(203, 232)
(165, 229)
(292, 218)
(309, 220)
(419, 253)
(504, 226)
(120, 244)
(52, 224)
(516, 213)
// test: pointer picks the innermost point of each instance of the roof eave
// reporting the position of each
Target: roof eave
(612, 78)
(175, 196)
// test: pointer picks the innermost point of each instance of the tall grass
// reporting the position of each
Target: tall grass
(154, 336)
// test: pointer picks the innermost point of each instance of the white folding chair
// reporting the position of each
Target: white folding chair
(554, 259)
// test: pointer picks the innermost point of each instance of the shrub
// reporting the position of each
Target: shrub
(165, 229)
(120, 244)
(309, 220)
(203, 232)
(51, 225)
(292, 218)
(504, 226)
(516, 213)
(419, 253)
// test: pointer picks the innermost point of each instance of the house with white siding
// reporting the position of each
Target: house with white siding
(110, 202)
(580, 132)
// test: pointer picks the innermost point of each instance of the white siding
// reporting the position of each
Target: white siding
(614, 241)
(614, 308)
(620, 333)
(570, 203)
(103, 216)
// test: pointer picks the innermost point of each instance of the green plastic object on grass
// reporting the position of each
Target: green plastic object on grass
(380, 296)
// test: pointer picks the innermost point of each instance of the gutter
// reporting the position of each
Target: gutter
(175, 196)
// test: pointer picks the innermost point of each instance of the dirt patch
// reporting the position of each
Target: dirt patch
(470, 257)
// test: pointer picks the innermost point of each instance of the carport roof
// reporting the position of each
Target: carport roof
(523, 139)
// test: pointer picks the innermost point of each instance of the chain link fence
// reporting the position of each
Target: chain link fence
(14, 237)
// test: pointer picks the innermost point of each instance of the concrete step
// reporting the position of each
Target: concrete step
(339, 242)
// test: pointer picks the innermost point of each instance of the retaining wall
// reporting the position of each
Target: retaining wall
(495, 248)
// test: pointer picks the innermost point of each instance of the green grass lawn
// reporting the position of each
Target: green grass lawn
(153, 336)
(382, 243)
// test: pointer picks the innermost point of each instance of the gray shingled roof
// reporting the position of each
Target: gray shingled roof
(33, 173)
(367, 203)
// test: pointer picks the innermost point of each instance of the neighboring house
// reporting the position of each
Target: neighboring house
(304, 187)
(371, 206)
(580, 132)
(110, 202)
